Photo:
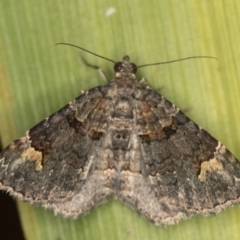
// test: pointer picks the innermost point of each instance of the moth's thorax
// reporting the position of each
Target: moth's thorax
(124, 85)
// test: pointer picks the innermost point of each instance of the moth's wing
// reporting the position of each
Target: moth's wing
(184, 170)
(54, 164)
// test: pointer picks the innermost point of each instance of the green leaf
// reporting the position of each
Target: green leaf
(38, 78)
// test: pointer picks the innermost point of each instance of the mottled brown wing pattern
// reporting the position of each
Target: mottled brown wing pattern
(185, 171)
(122, 141)
(54, 164)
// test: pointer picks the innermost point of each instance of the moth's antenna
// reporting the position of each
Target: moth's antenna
(145, 65)
(172, 61)
(72, 45)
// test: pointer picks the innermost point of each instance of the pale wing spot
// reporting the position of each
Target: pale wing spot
(34, 156)
(209, 166)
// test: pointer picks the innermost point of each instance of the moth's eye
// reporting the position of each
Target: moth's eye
(134, 68)
(118, 67)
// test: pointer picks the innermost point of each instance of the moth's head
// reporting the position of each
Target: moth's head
(125, 67)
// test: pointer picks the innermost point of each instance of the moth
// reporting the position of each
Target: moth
(121, 140)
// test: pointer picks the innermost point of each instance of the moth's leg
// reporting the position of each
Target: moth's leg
(144, 82)
(97, 68)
